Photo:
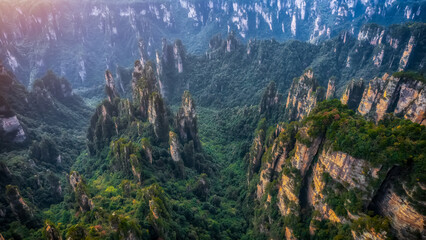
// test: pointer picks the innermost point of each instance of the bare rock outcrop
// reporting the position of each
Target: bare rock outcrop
(353, 94)
(18, 205)
(303, 96)
(186, 122)
(80, 189)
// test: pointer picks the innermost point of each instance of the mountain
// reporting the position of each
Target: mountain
(80, 39)
(250, 139)
(232, 73)
(332, 173)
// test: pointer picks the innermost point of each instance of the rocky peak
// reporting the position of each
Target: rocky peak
(353, 94)
(178, 55)
(303, 96)
(400, 94)
(142, 52)
(157, 116)
(372, 33)
(231, 42)
(51, 232)
(79, 187)
(186, 121)
(125, 158)
(18, 205)
(110, 86)
(256, 153)
(51, 85)
(144, 83)
(164, 48)
(175, 147)
(331, 88)
(270, 99)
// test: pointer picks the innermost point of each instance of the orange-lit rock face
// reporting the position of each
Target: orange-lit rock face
(287, 193)
(274, 163)
(289, 234)
(303, 96)
(174, 147)
(342, 168)
(331, 88)
(304, 155)
(404, 218)
(406, 54)
(369, 235)
(405, 97)
(346, 169)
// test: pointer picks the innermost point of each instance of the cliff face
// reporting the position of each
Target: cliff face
(403, 96)
(126, 157)
(18, 205)
(304, 172)
(110, 86)
(186, 122)
(270, 99)
(331, 88)
(256, 153)
(157, 116)
(303, 96)
(405, 219)
(144, 83)
(80, 191)
(175, 147)
(11, 129)
(273, 158)
(353, 94)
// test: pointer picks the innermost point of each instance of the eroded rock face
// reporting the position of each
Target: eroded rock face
(157, 116)
(79, 187)
(347, 169)
(231, 42)
(52, 233)
(110, 86)
(303, 96)
(12, 129)
(270, 99)
(142, 52)
(178, 55)
(125, 159)
(275, 160)
(287, 196)
(369, 235)
(405, 219)
(316, 195)
(406, 54)
(304, 154)
(401, 96)
(18, 205)
(353, 94)
(331, 88)
(175, 147)
(256, 153)
(186, 121)
(144, 83)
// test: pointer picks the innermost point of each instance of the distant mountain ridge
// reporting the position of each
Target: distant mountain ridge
(79, 39)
